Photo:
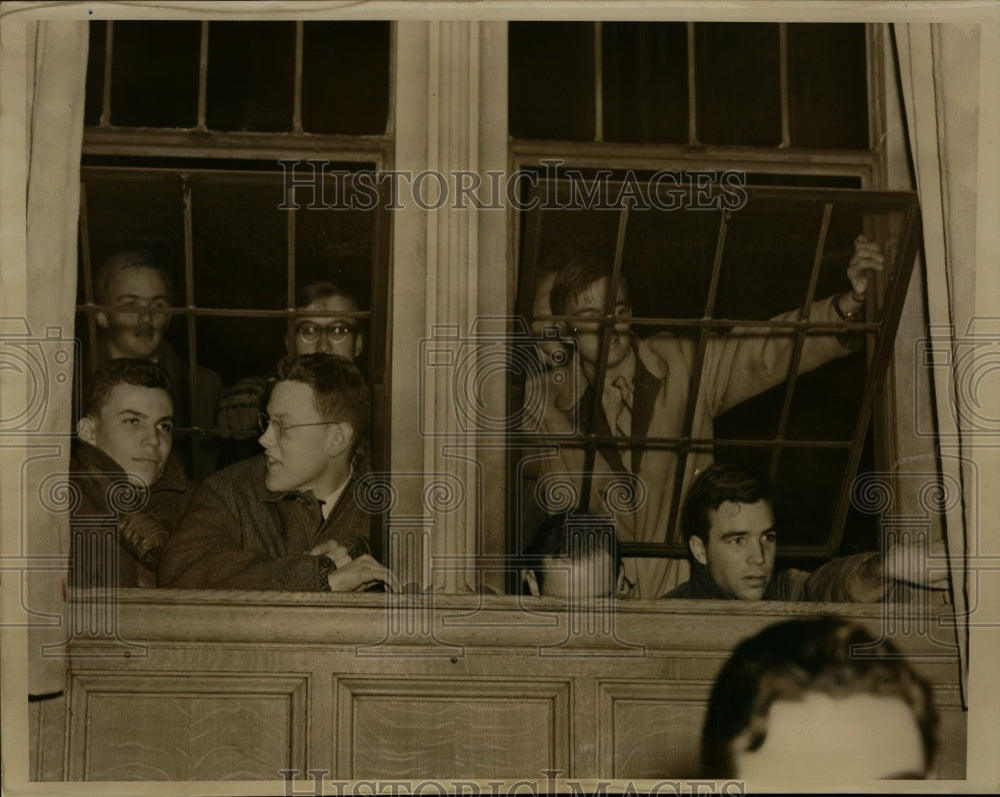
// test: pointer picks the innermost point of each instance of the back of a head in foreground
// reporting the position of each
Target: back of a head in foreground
(820, 661)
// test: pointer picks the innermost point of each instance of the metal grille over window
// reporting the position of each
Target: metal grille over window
(237, 180)
(723, 327)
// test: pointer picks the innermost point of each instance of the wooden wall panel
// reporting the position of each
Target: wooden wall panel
(482, 728)
(194, 727)
(651, 729)
(47, 724)
(305, 683)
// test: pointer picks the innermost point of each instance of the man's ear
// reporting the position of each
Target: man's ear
(359, 344)
(86, 427)
(339, 438)
(529, 578)
(698, 549)
(102, 320)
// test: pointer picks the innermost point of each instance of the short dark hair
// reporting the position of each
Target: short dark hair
(117, 263)
(790, 659)
(321, 289)
(570, 536)
(718, 483)
(340, 391)
(578, 274)
(121, 371)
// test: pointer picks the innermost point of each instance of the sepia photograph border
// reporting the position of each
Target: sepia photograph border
(981, 695)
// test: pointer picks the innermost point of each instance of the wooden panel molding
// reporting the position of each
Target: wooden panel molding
(650, 729)
(433, 728)
(186, 726)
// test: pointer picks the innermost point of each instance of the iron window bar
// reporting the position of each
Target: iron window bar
(610, 302)
(696, 370)
(793, 369)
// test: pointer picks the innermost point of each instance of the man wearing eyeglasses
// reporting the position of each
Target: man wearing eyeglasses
(645, 395)
(287, 519)
(329, 334)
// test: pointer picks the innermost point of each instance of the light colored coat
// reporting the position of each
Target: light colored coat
(741, 364)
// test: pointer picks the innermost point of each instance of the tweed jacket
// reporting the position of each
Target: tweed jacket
(237, 534)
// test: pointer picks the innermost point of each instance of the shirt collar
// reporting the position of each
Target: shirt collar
(260, 488)
(657, 368)
(328, 503)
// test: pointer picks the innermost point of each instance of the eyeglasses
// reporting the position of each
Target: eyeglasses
(265, 421)
(335, 332)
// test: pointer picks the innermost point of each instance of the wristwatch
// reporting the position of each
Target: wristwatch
(854, 315)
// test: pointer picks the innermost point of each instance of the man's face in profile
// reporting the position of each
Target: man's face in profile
(139, 331)
(329, 334)
(297, 442)
(134, 428)
(835, 740)
(741, 548)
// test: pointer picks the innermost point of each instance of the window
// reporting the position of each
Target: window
(714, 282)
(717, 167)
(195, 152)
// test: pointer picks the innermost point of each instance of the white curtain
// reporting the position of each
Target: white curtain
(940, 67)
(55, 70)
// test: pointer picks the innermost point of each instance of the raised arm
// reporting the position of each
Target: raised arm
(746, 362)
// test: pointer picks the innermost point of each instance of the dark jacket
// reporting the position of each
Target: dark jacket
(829, 582)
(140, 523)
(237, 534)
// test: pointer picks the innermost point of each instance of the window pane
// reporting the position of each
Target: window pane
(236, 348)
(668, 262)
(828, 96)
(238, 229)
(804, 180)
(251, 76)
(766, 274)
(136, 210)
(645, 88)
(94, 100)
(155, 74)
(738, 77)
(551, 73)
(345, 77)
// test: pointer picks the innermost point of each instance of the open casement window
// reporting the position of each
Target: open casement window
(761, 106)
(707, 283)
(196, 151)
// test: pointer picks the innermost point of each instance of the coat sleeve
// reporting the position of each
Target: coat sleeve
(206, 551)
(839, 580)
(748, 361)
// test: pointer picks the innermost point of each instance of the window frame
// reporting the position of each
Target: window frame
(869, 166)
(198, 144)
